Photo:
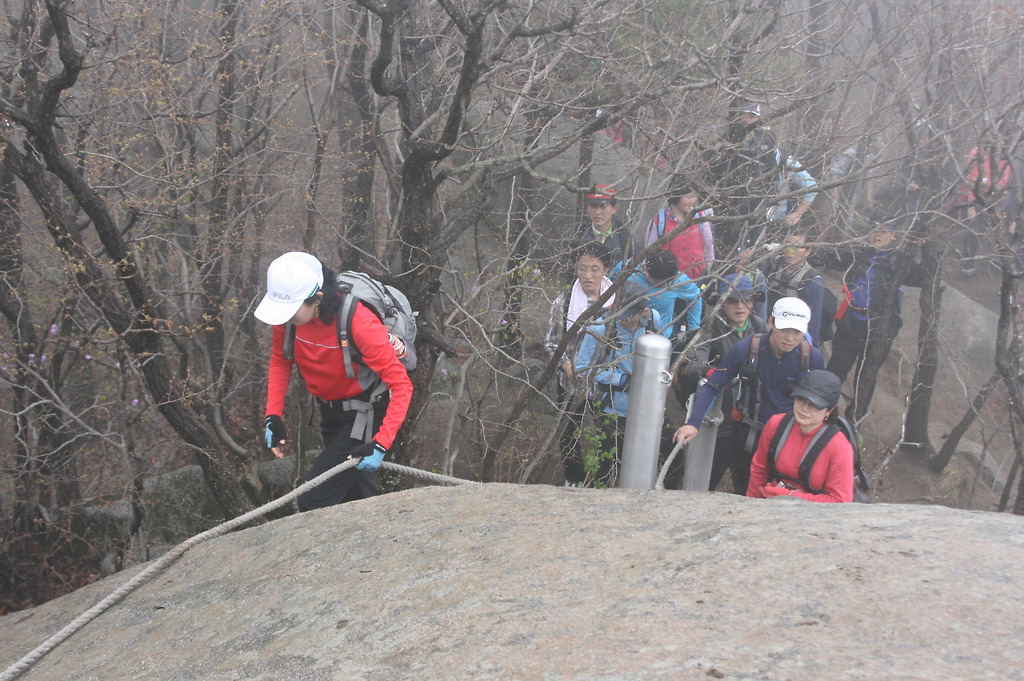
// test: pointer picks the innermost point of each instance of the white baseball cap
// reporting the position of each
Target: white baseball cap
(791, 313)
(291, 279)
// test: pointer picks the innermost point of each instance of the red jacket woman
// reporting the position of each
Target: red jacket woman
(831, 476)
(356, 420)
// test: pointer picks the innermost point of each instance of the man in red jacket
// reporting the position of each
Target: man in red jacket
(356, 420)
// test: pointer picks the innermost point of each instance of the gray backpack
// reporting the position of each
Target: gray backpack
(387, 302)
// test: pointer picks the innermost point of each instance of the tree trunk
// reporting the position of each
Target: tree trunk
(930, 304)
(139, 322)
(420, 286)
(139, 332)
(1010, 343)
(584, 165)
(358, 226)
(19, 321)
(510, 339)
(818, 18)
(212, 284)
(1018, 456)
(939, 462)
(1018, 505)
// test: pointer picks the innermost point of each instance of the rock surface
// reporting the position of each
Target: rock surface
(505, 582)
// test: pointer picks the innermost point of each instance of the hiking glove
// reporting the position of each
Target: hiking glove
(398, 345)
(372, 454)
(274, 434)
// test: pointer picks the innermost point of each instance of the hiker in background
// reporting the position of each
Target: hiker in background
(792, 178)
(867, 270)
(601, 226)
(302, 291)
(746, 172)
(694, 246)
(790, 275)
(755, 170)
(677, 300)
(851, 169)
(675, 297)
(734, 321)
(919, 172)
(803, 453)
(591, 281)
(983, 185)
(763, 370)
(606, 354)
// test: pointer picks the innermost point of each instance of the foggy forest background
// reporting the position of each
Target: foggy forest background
(154, 157)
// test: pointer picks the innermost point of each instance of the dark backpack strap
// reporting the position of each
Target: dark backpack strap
(289, 341)
(802, 274)
(565, 306)
(343, 321)
(795, 284)
(780, 436)
(751, 380)
(814, 449)
(805, 355)
(860, 478)
(810, 455)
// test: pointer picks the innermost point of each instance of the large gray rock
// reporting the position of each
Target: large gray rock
(176, 506)
(503, 582)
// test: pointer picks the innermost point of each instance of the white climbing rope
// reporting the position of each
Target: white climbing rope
(660, 484)
(23, 665)
(426, 475)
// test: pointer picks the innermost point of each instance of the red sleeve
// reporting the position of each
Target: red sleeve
(759, 465)
(279, 373)
(972, 171)
(1003, 168)
(836, 463)
(371, 337)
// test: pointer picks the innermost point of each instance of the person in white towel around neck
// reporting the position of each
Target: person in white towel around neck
(592, 262)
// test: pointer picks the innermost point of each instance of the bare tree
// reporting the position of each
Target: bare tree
(37, 151)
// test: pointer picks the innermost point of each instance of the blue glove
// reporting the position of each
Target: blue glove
(371, 453)
(275, 434)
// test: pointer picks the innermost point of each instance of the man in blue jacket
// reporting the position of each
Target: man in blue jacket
(762, 372)
(672, 294)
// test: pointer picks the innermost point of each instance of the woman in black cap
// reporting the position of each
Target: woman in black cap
(803, 453)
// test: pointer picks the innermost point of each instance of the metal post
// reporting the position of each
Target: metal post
(700, 452)
(646, 412)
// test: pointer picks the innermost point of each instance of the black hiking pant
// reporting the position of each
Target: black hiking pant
(570, 445)
(849, 342)
(349, 485)
(731, 454)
